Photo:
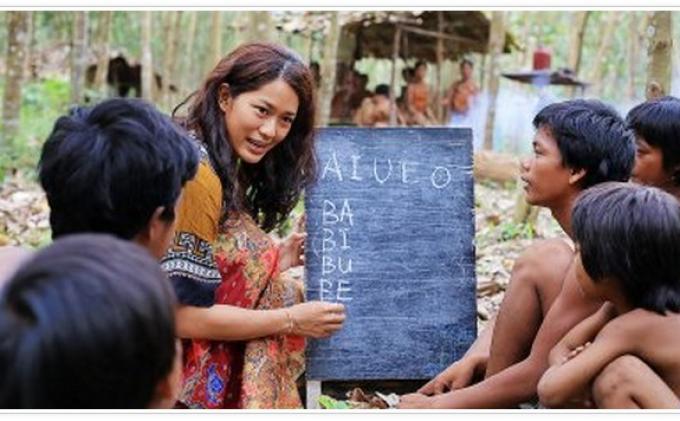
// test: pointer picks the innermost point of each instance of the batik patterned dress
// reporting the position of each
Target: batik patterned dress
(234, 263)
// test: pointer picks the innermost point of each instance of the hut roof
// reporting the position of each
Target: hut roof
(464, 32)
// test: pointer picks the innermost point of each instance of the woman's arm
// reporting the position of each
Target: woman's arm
(230, 323)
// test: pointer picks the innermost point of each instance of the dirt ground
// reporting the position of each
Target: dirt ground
(24, 220)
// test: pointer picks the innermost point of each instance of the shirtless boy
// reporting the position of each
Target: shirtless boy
(656, 125)
(628, 246)
(577, 144)
(418, 96)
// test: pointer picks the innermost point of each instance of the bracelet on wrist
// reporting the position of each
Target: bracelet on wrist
(291, 324)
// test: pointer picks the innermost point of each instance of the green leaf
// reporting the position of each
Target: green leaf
(326, 402)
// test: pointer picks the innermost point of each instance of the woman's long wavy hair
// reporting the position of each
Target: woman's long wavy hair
(268, 190)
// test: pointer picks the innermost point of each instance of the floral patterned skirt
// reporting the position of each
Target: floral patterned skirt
(260, 373)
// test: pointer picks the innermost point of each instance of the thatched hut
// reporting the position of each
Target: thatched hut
(461, 32)
(431, 36)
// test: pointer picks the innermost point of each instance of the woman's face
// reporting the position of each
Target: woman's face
(257, 121)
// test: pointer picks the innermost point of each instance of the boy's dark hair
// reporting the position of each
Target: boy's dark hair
(590, 135)
(657, 121)
(419, 63)
(631, 234)
(107, 168)
(88, 322)
(382, 89)
(467, 61)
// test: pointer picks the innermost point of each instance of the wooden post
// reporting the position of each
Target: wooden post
(440, 59)
(393, 87)
(496, 41)
(313, 394)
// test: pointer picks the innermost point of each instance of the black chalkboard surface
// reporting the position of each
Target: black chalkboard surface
(390, 234)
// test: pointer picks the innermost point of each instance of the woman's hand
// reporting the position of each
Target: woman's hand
(292, 248)
(316, 319)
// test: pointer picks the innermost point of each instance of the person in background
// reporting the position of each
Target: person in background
(418, 96)
(461, 96)
(375, 110)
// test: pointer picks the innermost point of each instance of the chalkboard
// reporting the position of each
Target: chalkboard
(390, 228)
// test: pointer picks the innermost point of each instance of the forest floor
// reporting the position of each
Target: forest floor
(24, 220)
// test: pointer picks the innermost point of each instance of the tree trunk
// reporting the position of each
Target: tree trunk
(601, 56)
(396, 44)
(330, 51)
(30, 62)
(215, 41)
(633, 50)
(78, 57)
(579, 20)
(172, 23)
(659, 54)
(439, 109)
(496, 40)
(17, 40)
(103, 40)
(188, 67)
(147, 60)
(260, 26)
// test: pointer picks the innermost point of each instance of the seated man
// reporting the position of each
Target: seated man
(88, 322)
(577, 144)
(627, 240)
(117, 168)
(375, 110)
(656, 124)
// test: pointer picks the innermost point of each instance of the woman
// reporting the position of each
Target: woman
(253, 120)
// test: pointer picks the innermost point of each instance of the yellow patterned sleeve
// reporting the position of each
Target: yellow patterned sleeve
(190, 262)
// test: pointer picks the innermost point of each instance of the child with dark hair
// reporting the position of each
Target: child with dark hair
(628, 248)
(117, 168)
(88, 322)
(656, 124)
(578, 144)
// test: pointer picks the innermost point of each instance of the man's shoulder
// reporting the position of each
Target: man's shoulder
(540, 250)
(546, 258)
